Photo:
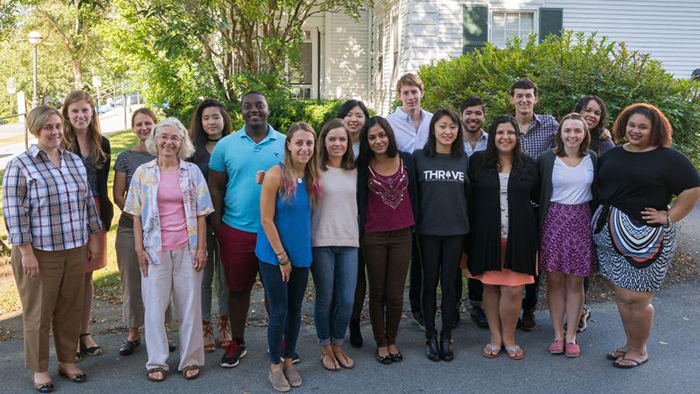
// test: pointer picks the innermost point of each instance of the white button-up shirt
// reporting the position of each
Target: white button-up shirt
(408, 138)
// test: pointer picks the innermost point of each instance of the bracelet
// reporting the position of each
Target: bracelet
(668, 219)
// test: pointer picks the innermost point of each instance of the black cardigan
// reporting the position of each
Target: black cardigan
(106, 208)
(546, 166)
(363, 176)
(484, 244)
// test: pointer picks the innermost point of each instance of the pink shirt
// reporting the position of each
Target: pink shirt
(173, 226)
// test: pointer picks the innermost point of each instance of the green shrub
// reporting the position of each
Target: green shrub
(564, 69)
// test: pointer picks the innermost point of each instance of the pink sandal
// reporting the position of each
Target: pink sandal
(572, 350)
(557, 347)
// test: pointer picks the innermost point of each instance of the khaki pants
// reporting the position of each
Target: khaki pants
(52, 299)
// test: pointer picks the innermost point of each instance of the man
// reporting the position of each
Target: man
(410, 124)
(536, 136)
(473, 112)
(236, 196)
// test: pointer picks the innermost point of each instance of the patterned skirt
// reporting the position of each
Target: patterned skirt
(621, 273)
(567, 240)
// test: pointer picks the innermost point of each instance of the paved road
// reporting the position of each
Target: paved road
(673, 367)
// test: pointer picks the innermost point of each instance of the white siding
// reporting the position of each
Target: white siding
(346, 57)
(669, 30)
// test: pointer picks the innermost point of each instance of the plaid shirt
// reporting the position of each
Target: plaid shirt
(48, 207)
(539, 136)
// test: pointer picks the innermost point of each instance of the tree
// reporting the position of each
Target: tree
(219, 47)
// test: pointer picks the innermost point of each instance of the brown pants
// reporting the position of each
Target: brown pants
(387, 255)
(51, 299)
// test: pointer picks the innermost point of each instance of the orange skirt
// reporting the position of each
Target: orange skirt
(504, 277)
(99, 261)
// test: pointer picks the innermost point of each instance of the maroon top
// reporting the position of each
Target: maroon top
(388, 202)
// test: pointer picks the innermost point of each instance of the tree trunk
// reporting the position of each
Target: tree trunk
(78, 74)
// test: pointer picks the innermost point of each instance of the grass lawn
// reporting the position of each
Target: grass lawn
(107, 282)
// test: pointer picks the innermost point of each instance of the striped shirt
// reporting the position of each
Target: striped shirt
(127, 162)
(539, 136)
(49, 207)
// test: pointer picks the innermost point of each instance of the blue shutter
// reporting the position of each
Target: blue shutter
(551, 22)
(476, 27)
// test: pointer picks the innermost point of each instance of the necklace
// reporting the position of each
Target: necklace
(211, 140)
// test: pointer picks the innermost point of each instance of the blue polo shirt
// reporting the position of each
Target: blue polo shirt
(240, 157)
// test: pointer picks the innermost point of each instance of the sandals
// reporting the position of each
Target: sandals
(327, 356)
(617, 364)
(209, 344)
(615, 354)
(491, 351)
(90, 351)
(513, 352)
(188, 369)
(224, 332)
(156, 378)
(343, 359)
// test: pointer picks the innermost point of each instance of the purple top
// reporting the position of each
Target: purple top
(388, 202)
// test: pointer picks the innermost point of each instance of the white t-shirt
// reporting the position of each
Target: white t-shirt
(572, 185)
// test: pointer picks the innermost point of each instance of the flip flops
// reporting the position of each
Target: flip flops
(617, 364)
(513, 352)
(491, 351)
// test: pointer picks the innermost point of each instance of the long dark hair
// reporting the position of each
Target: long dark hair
(457, 148)
(366, 154)
(602, 123)
(491, 153)
(348, 162)
(349, 105)
(198, 135)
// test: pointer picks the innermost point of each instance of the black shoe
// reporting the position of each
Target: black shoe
(355, 334)
(234, 353)
(527, 323)
(171, 346)
(127, 347)
(456, 318)
(432, 349)
(90, 351)
(418, 318)
(446, 352)
(395, 357)
(386, 360)
(478, 316)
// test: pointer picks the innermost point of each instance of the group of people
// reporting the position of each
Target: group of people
(207, 210)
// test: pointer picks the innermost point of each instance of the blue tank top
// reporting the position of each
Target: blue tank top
(293, 222)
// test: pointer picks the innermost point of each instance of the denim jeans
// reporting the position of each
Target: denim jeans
(333, 266)
(285, 299)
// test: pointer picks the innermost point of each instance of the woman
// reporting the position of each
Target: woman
(169, 201)
(45, 191)
(442, 182)
(283, 247)
(503, 241)
(210, 123)
(567, 252)
(637, 182)
(595, 113)
(354, 114)
(335, 240)
(386, 199)
(83, 138)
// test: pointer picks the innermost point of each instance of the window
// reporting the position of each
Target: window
(301, 77)
(509, 24)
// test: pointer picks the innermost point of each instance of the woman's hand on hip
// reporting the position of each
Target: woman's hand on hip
(652, 216)
(200, 259)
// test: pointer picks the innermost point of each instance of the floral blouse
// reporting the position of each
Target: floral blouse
(142, 201)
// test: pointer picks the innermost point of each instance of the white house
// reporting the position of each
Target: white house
(363, 59)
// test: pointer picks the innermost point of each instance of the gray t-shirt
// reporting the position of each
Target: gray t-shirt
(127, 162)
(443, 190)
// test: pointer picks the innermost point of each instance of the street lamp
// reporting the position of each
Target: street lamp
(35, 39)
(11, 89)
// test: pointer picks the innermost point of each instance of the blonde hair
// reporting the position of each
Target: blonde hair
(37, 118)
(98, 156)
(186, 148)
(313, 181)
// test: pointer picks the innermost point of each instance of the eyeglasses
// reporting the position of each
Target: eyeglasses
(167, 138)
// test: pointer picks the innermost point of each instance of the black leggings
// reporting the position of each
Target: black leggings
(441, 257)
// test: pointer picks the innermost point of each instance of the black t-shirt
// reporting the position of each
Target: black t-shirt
(443, 188)
(632, 181)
